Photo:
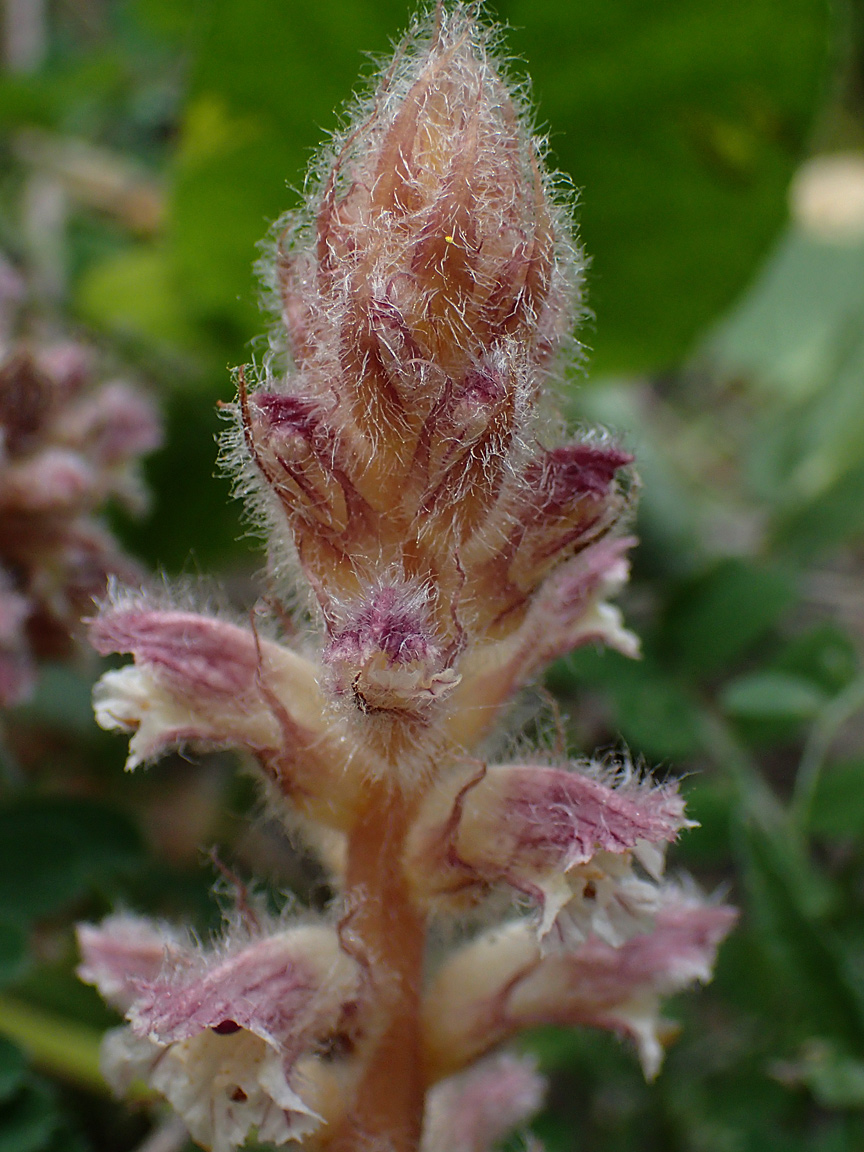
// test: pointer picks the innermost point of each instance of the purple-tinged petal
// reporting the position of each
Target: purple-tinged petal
(220, 1033)
(569, 610)
(386, 655)
(16, 667)
(474, 1110)
(203, 682)
(530, 826)
(503, 983)
(279, 987)
(113, 426)
(223, 1087)
(124, 950)
(56, 481)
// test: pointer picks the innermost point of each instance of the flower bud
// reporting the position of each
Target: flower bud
(16, 671)
(56, 482)
(387, 655)
(28, 399)
(114, 425)
(564, 500)
(430, 284)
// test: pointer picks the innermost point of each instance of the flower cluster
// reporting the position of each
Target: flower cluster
(67, 446)
(398, 449)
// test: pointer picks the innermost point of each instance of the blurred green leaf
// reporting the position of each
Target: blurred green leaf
(54, 1044)
(132, 293)
(835, 1079)
(838, 805)
(29, 1120)
(815, 978)
(825, 523)
(710, 803)
(701, 107)
(652, 712)
(56, 849)
(786, 333)
(13, 1068)
(715, 618)
(62, 699)
(824, 655)
(772, 696)
(13, 952)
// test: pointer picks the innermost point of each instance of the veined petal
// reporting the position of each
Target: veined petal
(207, 663)
(503, 983)
(279, 987)
(123, 950)
(219, 1033)
(201, 681)
(134, 699)
(223, 1087)
(569, 610)
(540, 830)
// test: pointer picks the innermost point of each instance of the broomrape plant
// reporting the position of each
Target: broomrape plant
(413, 478)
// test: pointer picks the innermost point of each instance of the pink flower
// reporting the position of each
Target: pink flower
(566, 838)
(503, 983)
(203, 682)
(395, 452)
(221, 1034)
(66, 446)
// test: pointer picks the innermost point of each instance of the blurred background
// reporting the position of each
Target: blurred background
(717, 148)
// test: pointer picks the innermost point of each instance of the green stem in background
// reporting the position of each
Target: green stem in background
(60, 1047)
(757, 804)
(822, 735)
(756, 798)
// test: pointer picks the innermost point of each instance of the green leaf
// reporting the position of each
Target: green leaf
(55, 849)
(132, 293)
(827, 522)
(62, 699)
(55, 1044)
(835, 1079)
(715, 618)
(28, 1122)
(680, 123)
(656, 717)
(653, 714)
(13, 1068)
(838, 806)
(815, 981)
(13, 952)
(710, 803)
(824, 655)
(786, 333)
(772, 696)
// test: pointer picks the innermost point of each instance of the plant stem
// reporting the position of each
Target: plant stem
(388, 933)
(62, 1047)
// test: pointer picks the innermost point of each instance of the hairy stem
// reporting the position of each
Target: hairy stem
(388, 934)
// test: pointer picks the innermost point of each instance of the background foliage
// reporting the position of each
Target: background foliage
(727, 345)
